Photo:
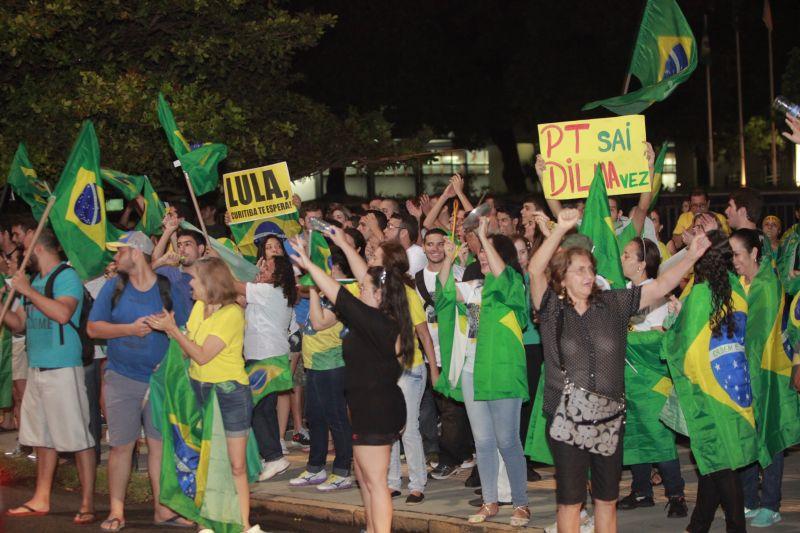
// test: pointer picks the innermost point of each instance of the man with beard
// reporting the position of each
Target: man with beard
(55, 408)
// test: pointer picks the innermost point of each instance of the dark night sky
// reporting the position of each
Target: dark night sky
(471, 66)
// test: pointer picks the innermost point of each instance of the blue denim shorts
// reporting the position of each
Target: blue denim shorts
(235, 404)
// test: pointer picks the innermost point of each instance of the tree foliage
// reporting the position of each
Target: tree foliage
(225, 65)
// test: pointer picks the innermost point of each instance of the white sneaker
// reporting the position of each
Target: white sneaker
(469, 463)
(335, 482)
(255, 529)
(284, 449)
(309, 478)
(587, 522)
(273, 468)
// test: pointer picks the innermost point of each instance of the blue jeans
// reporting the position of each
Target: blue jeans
(412, 383)
(670, 475)
(495, 426)
(770, 485)
(326, 410)
(265, 428)
(235, 404)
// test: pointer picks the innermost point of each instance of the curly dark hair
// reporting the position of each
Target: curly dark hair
(714, 268)
(394, 304)
(283, 277)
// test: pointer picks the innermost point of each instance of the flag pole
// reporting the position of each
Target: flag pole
(194, 202)
(743, 177)
(42, 221)
(708, 105)
(773, 141)
(626, 84)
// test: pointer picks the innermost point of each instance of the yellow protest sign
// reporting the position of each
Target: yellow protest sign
(572, 149)
(258, 193)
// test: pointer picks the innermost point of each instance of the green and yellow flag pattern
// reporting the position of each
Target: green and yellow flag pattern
(320, 255)
(247, 234)
(597, 225)
(26, 184)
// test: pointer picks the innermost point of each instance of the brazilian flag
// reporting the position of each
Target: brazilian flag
(196, 479)
(201, 163)
(536, 446)
(153, 211)
(248, 233)
(500, 368)
(79, 213)
(597, 226)
(129, 186)
(647, 386)
(241, 268)
(6, 383)
(320, 255)
(26, 184)
(266, 376)
(777, 406)
(787, 260)
(712, 381)
(658, 171)
(664, 56)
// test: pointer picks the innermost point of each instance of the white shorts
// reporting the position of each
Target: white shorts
(19, 360)
(55, 410)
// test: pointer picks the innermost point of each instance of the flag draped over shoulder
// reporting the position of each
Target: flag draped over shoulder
(26, 184)
(664, 56)
(712, 382)
(787, 260)
(196, 479)
(597, 226)
(248, 233)
(201, 163)
(647, 386)
(450, 314)
(777, 406)
(320, 255)
(79, 213)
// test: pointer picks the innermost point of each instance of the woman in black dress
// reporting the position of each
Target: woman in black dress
(378, 333)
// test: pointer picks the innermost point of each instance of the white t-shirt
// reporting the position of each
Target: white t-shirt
(416, 259)
(94, 286)
(268, 316)
(467, 339)
(651, 317)
(430, 312)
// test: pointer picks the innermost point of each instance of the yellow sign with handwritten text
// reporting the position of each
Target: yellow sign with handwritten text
(572, 150)
(258, 193)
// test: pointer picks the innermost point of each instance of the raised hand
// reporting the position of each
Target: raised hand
(413, 209)
(699, 245)
(650, 154)
(457, 183)
(483, 226)
(539, 166)
(568, 219)
(301, 257)
(425, 203)
(794, 135)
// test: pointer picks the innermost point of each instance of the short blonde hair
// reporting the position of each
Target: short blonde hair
(217, 280)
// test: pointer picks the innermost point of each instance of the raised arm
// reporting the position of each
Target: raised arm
(457, 182)
(170, 225)
(567, 219)
(496, 263)
(552, 203)
(432, 218)
(325, 283)
(639, 213)
(357, 264)
(670, 278)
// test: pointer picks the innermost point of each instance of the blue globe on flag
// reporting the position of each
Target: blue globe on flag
(87, 207)
(729, 363)
(267, 228)
(675, 61)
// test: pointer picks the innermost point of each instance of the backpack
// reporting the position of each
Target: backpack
(87, 344)
(164, 290)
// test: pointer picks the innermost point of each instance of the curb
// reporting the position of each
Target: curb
(353, 515)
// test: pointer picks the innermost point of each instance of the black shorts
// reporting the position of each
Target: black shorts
(572, 472)
(374, 439)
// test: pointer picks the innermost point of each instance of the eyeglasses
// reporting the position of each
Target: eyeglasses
(581, 271)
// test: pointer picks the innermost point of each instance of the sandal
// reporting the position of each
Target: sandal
(28, 511)
(83, 518)
(521, 516)
(486, 511)
(112, 525)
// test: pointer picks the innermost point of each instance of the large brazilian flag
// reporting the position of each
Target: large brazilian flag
(500, 368)
(597, 225)
(248, 233)
(79, 213)
(138, 187)
(787, 260)
(712, 381)
(777, 406)
(196, 479)
(26, 184)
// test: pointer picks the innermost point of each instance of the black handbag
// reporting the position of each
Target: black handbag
(585, 419)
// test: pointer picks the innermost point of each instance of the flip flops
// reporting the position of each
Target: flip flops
(112, 525)
(173, 522)
(29, 511)
(83, 518)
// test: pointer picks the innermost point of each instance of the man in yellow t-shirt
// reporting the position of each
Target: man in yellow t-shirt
(698, 203)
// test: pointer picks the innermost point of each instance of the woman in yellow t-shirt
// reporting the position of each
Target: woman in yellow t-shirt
(214, 341)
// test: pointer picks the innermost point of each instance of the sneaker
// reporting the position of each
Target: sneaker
(302, 439)
(587, 524)
(634, 501)
(750, 513)
(443, 471)
(413, 499)
(284, 449)
(309, 478)
(335, 482)
(765, 518)
(395, 494)
(469, 463)
(474, 480)
(270, 469)
(676, 507)
(533, 475)
(255, 529)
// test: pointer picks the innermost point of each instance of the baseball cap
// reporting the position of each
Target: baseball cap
(133, 239)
